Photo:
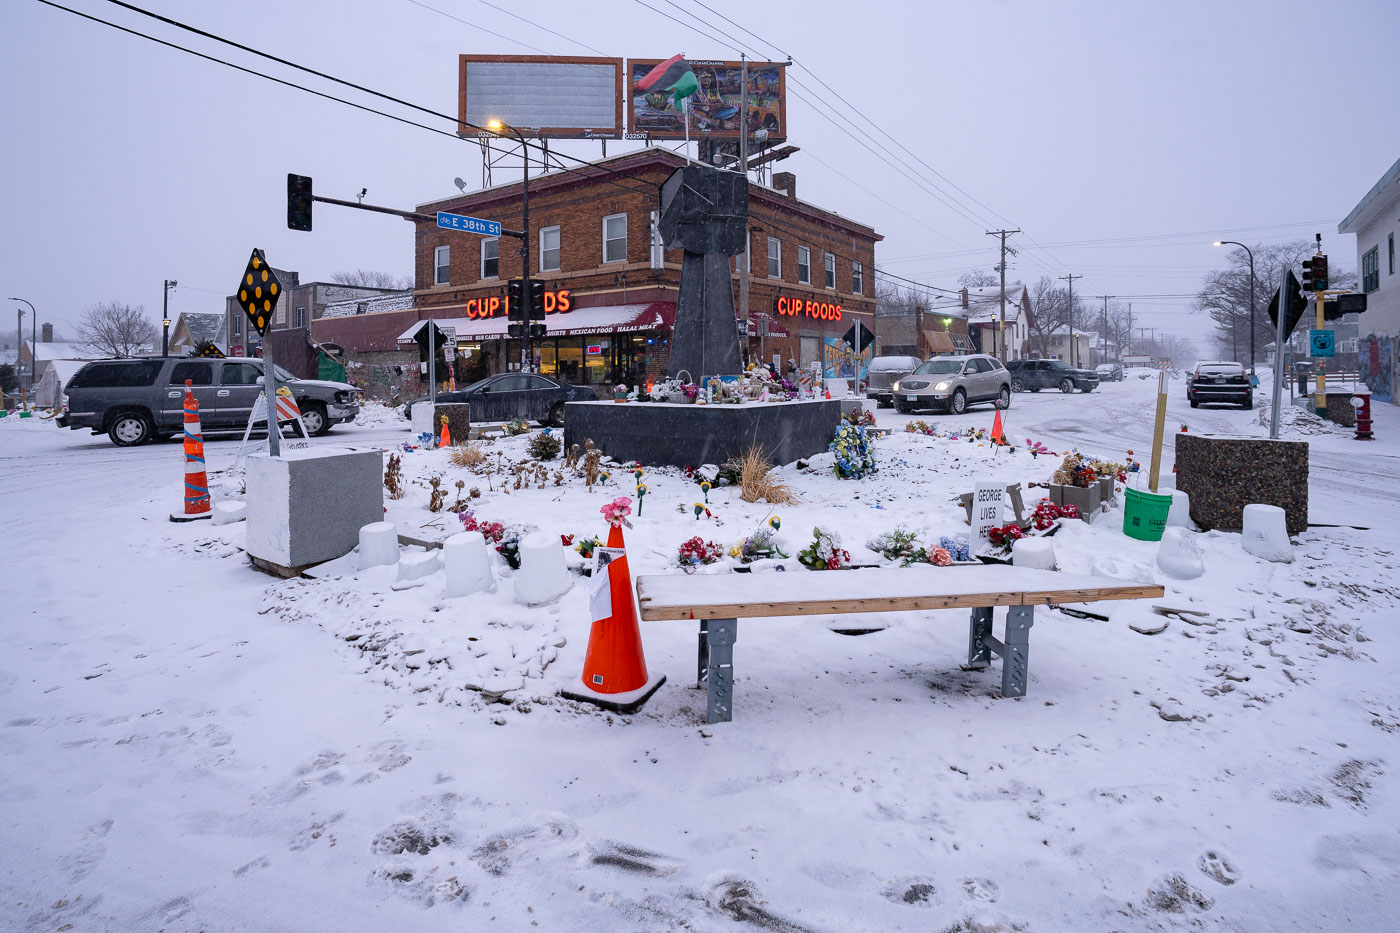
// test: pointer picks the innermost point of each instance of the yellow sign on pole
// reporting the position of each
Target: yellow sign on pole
(259, 292)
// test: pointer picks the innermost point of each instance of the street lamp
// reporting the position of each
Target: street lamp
(33, 343)
(165, 322)
(1251, 295)
(496, 126)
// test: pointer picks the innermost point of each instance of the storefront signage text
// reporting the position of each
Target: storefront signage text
(805, 307)
(496, 304)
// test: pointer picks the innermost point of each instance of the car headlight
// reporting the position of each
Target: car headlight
(941, 386)
(895, 387)
(343, 398)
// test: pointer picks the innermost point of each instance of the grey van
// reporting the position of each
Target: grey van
(135, 401)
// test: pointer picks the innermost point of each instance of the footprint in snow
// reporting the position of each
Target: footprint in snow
(914, 890)
(1218, 868)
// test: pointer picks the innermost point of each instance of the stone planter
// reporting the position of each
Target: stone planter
(1223, 473)
(459, 422)
(1106, 488)
(1084, 498)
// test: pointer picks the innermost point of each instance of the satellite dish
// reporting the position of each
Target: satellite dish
(461, 185)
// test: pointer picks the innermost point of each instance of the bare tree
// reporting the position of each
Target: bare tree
(115, 329)
(1050, 313)
(978, 278)
(371, 278)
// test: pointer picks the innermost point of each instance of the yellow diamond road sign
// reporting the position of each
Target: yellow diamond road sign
(258, 292)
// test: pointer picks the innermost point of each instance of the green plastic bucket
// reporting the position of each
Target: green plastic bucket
(1145, 514)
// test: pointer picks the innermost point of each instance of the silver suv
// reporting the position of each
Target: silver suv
(951, 383)
(134, 401)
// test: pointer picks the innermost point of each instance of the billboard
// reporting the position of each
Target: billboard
(715, 107)
(555, 96)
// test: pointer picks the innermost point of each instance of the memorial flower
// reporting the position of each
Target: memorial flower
(824, 552)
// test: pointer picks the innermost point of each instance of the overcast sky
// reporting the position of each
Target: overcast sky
(1122, 137)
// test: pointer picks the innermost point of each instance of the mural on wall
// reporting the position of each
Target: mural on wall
(839, 360)
(1376, 361)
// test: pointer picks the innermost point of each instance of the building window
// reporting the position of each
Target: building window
(615, 238)
(490, 258)
(1371, 269)
(658, 246)
(549, 249)
(775, 258)
(301, 317)
(857, 279)
(441, 259)
(804, 265)
(237, 326)
(830, 263)
(1391, 244)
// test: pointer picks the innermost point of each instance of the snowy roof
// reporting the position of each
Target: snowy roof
(58, 350)
(203, 326)
(395, 301)
(984, 304)
(63, 370)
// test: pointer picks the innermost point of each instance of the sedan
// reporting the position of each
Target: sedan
(530, 396)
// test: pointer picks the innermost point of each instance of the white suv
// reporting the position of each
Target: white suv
(951, 383)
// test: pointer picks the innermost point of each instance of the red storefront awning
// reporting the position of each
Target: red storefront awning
(604, 319)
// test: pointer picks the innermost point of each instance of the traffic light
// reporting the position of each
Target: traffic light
(515, 331)
(1308, 275)
(515, 301)
(536, 300)
(1352, 303)
(537, 331)
(1319, 270)
(298, 202)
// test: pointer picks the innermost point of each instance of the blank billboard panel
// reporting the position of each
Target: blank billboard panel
(541, 95)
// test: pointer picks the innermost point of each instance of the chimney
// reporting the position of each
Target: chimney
(786, 181)
(46, 333)
(964, 298)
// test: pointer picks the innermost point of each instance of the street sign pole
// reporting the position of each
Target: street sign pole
(1320, 400)
(274, 430)
(1279, 373)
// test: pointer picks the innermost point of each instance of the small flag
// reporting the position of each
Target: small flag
(672, 75)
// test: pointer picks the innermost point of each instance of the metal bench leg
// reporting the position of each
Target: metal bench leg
(702, 659)
(979, 653)
(720, 637)
(1015, 660)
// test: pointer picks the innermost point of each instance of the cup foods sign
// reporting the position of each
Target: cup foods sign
(496, 304)
(805, 307)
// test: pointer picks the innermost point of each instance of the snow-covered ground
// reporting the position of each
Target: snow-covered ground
(186, 744)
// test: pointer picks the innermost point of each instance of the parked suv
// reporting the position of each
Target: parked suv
(1035, 375)
(883, 373)
(951, 383)
(1219, 381)
(134, 401)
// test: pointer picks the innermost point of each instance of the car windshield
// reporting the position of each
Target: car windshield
(940, 368)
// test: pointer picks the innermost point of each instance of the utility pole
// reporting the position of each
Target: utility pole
(19, 353)
(1070, 278)
(1001, 326)
(1103, 328)
(1129, 348)
(744, 168)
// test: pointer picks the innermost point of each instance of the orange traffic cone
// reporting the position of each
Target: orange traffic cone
(196, 481)
(615, 667)
(998, 435)
(446, 439)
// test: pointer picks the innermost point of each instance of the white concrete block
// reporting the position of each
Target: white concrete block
(1265, 533)
(226, 513)
(308, 505)
(1179, 515)
(542, 576)
(467, 564)
(1178, 554)
(379, 544)
(1034, 552)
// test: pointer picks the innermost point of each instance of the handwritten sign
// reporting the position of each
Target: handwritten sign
(986, 510)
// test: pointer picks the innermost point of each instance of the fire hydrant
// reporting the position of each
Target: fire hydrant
(1361, 401)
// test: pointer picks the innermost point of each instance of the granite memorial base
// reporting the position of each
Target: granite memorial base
(1222, 474)
(673, 434)
(459, 422)
(308, 506)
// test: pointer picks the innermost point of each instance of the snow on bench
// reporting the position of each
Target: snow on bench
(718, 601)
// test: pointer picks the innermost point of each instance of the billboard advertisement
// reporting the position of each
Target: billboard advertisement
(554, 96)
(715, 107)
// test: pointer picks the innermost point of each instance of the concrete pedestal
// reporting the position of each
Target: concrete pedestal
(459, 422)
(673, 434)
(308, 506)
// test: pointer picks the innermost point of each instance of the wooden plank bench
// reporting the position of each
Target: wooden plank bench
(718, 601)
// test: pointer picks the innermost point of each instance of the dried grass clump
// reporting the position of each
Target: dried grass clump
(467, 455)
(757, 482)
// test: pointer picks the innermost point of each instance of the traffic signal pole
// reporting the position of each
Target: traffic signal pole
(1320, 398)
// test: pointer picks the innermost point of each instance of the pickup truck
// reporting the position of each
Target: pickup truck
(134, 401)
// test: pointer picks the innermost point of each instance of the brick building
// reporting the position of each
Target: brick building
(299, 306)
(611, 287)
